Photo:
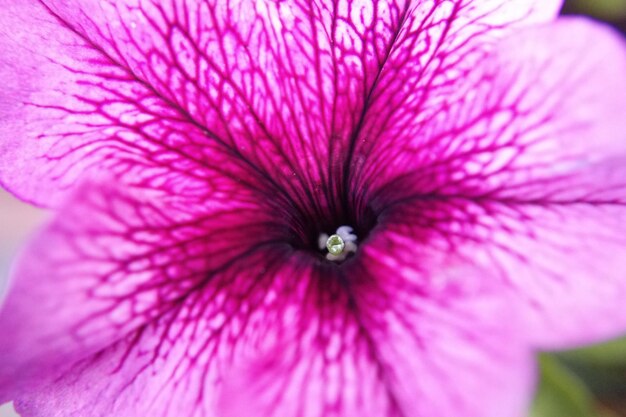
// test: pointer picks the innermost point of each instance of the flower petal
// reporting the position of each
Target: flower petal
(427, 340)
(283, 336)
(147, 88)
(112, 262)
(567, 170)
(191, 87)
(68, 110)
(527, 167)
(438, 45)
(173, 365)
(450, 337)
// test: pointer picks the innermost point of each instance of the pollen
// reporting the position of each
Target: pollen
(340, 244)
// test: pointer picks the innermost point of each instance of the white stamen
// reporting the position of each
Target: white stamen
(321, 241)
(345, 232)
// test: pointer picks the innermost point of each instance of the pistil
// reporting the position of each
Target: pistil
(338, 245)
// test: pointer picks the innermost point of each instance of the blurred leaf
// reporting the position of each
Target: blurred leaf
(560, 393)
(610, 354)
(607, 413)
(606, 9)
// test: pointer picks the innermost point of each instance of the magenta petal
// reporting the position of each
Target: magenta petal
(111, 263)
(174, 365)
(262, 125)
(424, 75)
(417, 340)
(278, 335)
(69, 111)
(558, 173)
(149, 88)
(526, 168)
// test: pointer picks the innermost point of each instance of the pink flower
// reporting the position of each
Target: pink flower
(200, 153)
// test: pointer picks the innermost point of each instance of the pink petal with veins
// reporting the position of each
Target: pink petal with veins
(555, 181)
(112, 263)
(163, 91)
(423, 336)
(523, 170)
(484, 180)
(149, 311)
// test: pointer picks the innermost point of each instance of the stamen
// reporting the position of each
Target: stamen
(340, 244)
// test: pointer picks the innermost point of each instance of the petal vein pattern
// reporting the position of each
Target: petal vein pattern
(112, 265)
(281, 86)
(165, 320)
(524, 173)
(492, 160)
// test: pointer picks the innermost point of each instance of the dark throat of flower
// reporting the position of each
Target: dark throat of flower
(334, 238)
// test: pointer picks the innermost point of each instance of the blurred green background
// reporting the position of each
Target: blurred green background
(611, 11)
(589, 382)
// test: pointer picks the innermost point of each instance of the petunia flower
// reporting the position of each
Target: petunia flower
(320, 208)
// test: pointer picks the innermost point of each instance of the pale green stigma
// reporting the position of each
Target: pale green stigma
(340, 245)
(335, 245)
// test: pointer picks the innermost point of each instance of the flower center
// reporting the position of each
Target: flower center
(339, 245)
(335, 244)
